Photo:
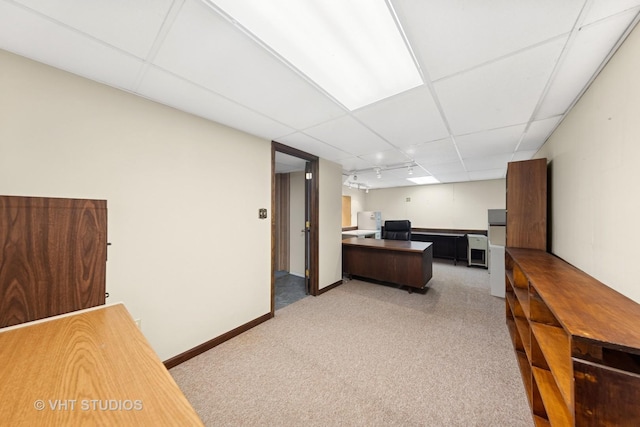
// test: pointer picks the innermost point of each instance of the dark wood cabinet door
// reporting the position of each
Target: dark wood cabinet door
(52, 256)
(527, 204)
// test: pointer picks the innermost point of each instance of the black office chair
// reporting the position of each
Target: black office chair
(397, 230)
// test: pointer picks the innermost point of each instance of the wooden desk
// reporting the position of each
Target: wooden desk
(92, 367)
(400, 262)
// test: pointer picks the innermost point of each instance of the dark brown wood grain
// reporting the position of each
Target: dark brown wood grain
(52, 256)
(605, 396)
(399, 262)
(282, 217)
(527, 204)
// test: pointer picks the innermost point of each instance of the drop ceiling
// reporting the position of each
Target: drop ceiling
(498, 76)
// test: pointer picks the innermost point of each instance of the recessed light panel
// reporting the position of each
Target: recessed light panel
(424, 180)
(352, 49)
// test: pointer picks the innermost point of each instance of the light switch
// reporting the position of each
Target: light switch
(262, 213)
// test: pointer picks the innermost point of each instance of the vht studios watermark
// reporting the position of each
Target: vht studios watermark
(88, 405)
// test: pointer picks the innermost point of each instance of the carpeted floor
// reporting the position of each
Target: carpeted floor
(364, 354)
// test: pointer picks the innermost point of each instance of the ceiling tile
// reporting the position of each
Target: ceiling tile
(523, 155)
(206, 49)
(451, 36)
(604, 8)
(579, 65)
(38, 38)
(497, 141)
(446, 168)
(409, 118)
(171, 90)
(349, 135)
(487, 163)
(355, 164)
(389, 157)
(499, 94)
(538, 133)
(312, 146)
(128, 25)
(452, 177)
(433, 153)
(488, 174)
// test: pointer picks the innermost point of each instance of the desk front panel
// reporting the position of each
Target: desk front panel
(399, 266)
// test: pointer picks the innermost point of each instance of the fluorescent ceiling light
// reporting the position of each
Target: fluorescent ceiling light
(424, 180)
(352, 49)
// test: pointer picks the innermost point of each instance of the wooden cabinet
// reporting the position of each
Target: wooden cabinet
(52, 256)
(527, 204)
(577, 342)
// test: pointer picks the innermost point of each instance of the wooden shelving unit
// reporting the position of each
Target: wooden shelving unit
(576, 340)
(577, 344)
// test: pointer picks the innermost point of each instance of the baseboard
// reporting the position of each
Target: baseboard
(331, 286)
(183, 357)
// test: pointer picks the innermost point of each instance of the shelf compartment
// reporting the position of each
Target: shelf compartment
(516, 308)
(539, 311)
(515, 336)
(519, 279)
(541, 422)
(555, 346)
(557, 411)
(523, 298)
(527, 379)
(522, 325)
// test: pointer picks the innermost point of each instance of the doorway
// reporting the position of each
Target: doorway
(279, 219)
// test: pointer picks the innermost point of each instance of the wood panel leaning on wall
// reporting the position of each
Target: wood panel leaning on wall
(53, 256)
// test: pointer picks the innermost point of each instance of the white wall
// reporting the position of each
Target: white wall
(460, 205)
(330, 227)
(593, 157)
(189, 256)
(296, 220)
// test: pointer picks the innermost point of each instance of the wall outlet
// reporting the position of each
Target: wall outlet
(138, 323)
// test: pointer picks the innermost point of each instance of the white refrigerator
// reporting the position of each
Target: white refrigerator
(370, 220)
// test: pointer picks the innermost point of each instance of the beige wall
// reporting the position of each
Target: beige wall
(330, 227)
(189, 256)
(461, 205)
(595, 176)
(296, 219)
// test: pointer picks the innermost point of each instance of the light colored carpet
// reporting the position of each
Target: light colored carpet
(364, 354)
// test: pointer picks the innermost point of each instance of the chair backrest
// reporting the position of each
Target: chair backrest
(397, 230)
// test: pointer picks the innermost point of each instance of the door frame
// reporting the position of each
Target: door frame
(312, 201)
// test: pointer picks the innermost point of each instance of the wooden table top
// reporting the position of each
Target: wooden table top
(390, 245)
(91, 367)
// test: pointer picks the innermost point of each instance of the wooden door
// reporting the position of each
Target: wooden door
(282, 221)
(53, 256)
(346, 211)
